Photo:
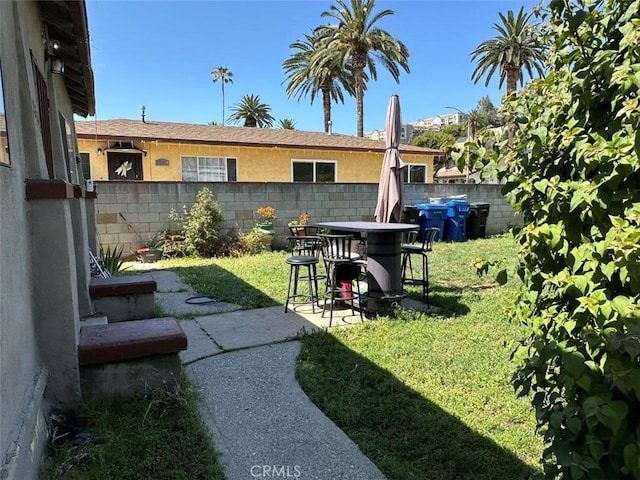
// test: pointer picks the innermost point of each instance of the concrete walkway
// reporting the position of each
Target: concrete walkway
(243, 361)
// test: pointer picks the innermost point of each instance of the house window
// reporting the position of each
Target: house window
(68, 151)
(43, 111)
(209, 169)
(313, 171)
(415, 173)
(403, 133)
(124, 166)
(85, 161)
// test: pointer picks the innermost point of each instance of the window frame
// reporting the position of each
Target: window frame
(315, 171)
(227, 162)
(408, 170)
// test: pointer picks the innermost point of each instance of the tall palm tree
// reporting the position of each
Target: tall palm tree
(313, 68)
(361, 42)
(252, 111)
(516, 47)
(225, 76)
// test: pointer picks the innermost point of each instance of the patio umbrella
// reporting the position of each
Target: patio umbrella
(390, 195)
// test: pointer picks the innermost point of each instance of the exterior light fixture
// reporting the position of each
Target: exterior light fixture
(52, 53)
(57, 66)
(99, 151)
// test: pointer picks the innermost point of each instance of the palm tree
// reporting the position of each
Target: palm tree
(287, 124)
(361, 42)
(252, 111)
(313, 68)
(516, 46)
(225, 76)
(474, 120)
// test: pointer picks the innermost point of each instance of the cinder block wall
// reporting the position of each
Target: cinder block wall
(128, 209)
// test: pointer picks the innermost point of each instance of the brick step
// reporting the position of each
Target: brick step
(130, 358)
(124, 298)
(127, 285)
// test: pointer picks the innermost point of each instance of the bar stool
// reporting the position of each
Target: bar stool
(305, 250)
(342, 266)
(409, 249)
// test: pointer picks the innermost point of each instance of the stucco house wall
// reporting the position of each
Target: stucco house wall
(44, 270)
(263, 155)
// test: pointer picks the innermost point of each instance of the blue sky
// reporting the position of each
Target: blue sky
(160, 53)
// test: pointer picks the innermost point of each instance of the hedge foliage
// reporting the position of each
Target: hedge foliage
(570, 158)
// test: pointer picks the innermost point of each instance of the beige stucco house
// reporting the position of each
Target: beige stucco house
(162, 151)
(46, 221)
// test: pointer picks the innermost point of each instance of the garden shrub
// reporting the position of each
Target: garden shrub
(571, 165)
(201, 225)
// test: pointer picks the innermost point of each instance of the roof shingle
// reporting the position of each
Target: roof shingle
(135, 130)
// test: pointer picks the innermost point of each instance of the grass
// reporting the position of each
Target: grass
(424, 396)
(429, 396)
(159, 438)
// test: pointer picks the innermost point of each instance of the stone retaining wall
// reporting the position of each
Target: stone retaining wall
(145, 206)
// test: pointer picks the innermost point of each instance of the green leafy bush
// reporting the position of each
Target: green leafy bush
(570, 160)
(201, 225)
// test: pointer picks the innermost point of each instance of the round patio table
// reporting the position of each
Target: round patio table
(384, 276)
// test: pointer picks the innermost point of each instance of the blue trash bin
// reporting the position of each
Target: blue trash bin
(431, 215)
(455, 223)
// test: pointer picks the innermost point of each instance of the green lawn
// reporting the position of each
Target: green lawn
(160, 437)
(424, 396)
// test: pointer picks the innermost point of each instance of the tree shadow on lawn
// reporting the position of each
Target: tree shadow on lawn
(447, 299)
(404, 434)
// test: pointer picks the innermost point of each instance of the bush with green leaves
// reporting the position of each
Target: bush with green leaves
(201, 225)
(571, 165)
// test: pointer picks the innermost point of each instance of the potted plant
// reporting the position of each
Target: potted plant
(299, 227)
(151, 251)
(264, 226)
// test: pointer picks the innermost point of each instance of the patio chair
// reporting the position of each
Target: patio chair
(343, 267)
(305, 251)
(303, 230)
(410, 249)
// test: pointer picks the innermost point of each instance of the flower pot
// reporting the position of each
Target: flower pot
(266, 228)
(266, 239)
(149, 255)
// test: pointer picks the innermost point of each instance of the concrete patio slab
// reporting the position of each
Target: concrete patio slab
(175, 304)
(260, 418)
(168, 281)
(199, 344)
(249, 328)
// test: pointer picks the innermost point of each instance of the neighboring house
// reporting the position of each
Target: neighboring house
(406, 134)
(46, 221)
(162, 151)
(436, 123)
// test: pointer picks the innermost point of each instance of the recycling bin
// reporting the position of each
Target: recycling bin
(455, 223)
(476, 224)
(431, 215)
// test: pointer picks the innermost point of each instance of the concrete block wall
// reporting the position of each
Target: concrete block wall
(126, 211)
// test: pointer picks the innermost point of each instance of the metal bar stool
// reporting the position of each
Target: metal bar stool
(305, 250)
(409, 249)
(343, 267)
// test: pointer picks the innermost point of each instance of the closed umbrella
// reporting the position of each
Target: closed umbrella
(390, 194)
